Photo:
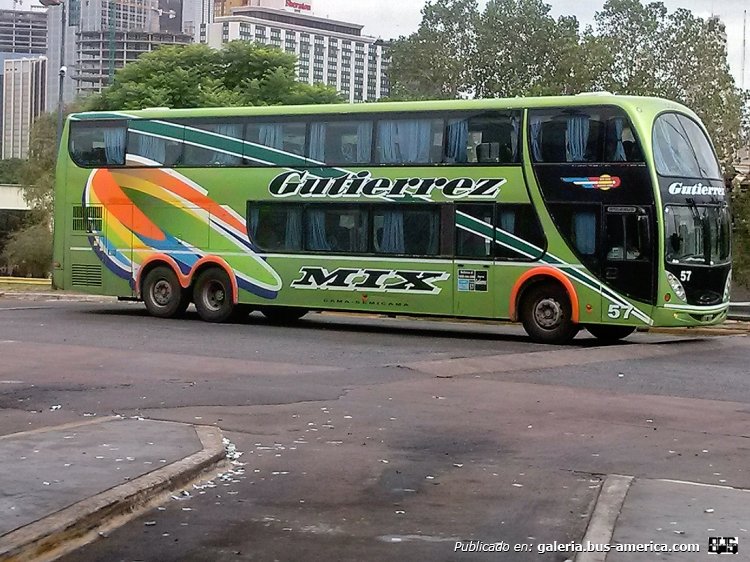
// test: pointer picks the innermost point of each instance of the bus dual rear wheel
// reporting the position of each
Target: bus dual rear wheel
(546, 315)
(213, 296)
(163, 295)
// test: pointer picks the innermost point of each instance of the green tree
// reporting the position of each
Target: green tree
(10, 171)
(435, 62)
(29, 250)
(522, 50)
(241, 73)
(677, 56)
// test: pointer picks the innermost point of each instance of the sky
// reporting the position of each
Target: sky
(392, 18)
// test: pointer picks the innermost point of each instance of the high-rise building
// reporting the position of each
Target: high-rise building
(330, 52)
(23, 32)
(101, 36)
(24, 90)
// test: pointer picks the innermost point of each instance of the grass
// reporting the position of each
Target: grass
(21, 287)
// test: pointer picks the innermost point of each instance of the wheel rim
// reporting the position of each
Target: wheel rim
(161, 292)
(214, 295)
(548, 313)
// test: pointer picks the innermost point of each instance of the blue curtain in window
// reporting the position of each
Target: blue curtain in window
(316, 231)
(293, 236)
(508, 221)
(515, 123)
(272, 136)
(393, 233)
(619, 155)
(405, 142)
(388, 143)
(577, 138)
(318, 142)
(364, 142)
(458, 140)
(233, 131)
(584, 229)
(536, 138)
(114, 144)
(152, 148)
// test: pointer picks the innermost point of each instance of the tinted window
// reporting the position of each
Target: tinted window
(152, 143)
(624, 239)
(98, 143)
(520, 221)
(286, 138)
(276, 228)
(406, 231)
(341, 142)
(213, 143)
(486, 138)
(682, 149)
(583, 135)
(335, 229)
(474, 230)
(410, 141)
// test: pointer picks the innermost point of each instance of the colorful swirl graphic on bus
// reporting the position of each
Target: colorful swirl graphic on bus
(163, 212)
(604, 183)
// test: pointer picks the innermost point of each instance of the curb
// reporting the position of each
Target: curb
(602, 523)
(76, 525)
(58, 296)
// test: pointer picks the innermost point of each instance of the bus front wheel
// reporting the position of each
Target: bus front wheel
(610, 334)
(212, 296)
(163, 295)
(546, 315)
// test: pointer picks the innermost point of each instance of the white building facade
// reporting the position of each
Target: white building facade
(24, 90)
(330, 52)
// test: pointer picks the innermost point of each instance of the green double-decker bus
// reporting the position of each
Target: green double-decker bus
(593, 211)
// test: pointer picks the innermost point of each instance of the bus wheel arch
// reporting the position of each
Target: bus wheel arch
(214, 291)
(161, 290)
(547, 306)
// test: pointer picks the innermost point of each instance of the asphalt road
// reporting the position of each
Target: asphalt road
(380, 439)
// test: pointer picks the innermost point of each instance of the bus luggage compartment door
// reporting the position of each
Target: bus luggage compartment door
(473, 291)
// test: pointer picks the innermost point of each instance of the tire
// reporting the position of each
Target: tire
(213, 296)
(283, 314)
(546, 315)
(610, 334)
(163, 295)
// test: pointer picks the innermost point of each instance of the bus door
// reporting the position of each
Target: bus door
(629, 254)
(473, 269)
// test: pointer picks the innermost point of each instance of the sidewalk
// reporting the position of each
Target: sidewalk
(63, 484)
(665, 518)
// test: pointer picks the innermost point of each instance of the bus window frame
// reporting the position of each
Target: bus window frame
(700, 126)
(528, 147)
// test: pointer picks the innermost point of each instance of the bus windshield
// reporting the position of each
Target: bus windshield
(681, 149)
(697, 235)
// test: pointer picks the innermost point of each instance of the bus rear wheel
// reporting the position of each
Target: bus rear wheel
(546, 315)
(283, 314)
(610, 334)
(163, 295)
(213, 297)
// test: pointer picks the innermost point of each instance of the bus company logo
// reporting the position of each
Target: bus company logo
(371, 280)
(603, 183)
(679, 188)
(361, 184)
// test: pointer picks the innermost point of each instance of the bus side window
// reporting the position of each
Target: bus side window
(98, 143)
(486, 138)
(274, 227)
(151, 150)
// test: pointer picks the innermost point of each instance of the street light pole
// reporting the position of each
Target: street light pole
(63, 68)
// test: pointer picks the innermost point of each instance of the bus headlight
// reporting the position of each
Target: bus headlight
(728, 287)
(677, 287)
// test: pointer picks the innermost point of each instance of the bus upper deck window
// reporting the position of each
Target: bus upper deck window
(98, 144)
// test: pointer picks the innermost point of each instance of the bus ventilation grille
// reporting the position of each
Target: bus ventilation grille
(88, 219)
(87, 275)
